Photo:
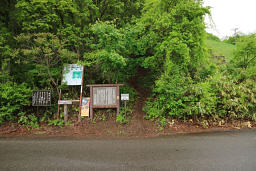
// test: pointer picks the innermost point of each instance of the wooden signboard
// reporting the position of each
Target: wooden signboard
(104, 96)
(41, 98)
(73, 75)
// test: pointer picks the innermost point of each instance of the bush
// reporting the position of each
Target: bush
(200, 100)
(30, 120)
(236, 100)
(222, 97)
(14, 99)
(218, 97)
(167, 99)
(121, 119)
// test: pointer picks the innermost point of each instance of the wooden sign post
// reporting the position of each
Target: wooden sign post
(65, 103)
(41, 98)
(104, 96)
(73, 75)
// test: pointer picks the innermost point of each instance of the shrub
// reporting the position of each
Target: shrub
(121, 119)
(14, 99)
(30, 120)
(167, 99)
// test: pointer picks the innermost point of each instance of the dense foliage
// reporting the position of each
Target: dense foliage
(113, 39)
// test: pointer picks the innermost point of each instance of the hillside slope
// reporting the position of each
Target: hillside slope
(219, 48)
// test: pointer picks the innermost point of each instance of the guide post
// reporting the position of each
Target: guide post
(125, 97)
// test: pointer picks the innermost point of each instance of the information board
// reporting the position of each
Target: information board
(73, 74)
(104, 96)
(41, 98)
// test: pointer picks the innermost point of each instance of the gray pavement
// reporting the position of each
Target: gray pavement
(234, 150)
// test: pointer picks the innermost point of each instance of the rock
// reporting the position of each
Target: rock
(221, 123)
(247, 124)
(171, 123)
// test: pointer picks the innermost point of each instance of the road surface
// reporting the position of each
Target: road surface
(234, 150)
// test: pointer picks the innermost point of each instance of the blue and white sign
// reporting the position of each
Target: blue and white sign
(73, 74)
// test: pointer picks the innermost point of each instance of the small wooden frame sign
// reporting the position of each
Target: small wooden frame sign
(104, 96)
(65, 103)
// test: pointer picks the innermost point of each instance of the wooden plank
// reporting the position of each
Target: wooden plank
(41, 98)
(65, 113)
(64, 102)
(104, 106)
(104, 85)
(118, 100)
(75, 101)
(104, 96)
(91, 98)
(58, 111)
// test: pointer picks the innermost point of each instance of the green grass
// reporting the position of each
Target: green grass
(221, 49)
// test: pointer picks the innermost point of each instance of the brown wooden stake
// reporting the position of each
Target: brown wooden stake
(58, 112)
(81, 95)
(118, 100)
(65, 113)
(91, 101)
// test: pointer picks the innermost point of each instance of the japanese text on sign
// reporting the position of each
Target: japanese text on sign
(103, 96)
(124, 97)
(41, 98)
(73, 74)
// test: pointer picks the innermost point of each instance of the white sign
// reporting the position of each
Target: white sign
(124, 97)
(73, 74)
(64, 102)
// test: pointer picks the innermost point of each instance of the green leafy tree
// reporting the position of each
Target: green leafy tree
(245, 54)
(107, 52)
(44, 16)
(41, 57)
(177, 33)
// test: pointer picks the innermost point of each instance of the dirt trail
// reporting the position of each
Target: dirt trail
(138, 118)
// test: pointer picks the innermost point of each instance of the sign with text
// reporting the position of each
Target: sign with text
(124, 97)
(41, 98)
(65, 102)
(104, 96)
(73, 74)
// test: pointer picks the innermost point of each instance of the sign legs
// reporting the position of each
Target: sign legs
(65, 113)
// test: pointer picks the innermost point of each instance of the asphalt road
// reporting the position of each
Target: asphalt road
(207, 151)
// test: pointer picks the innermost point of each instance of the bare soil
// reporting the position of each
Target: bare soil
(109, 128)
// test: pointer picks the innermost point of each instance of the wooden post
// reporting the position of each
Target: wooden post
(81, 95)
(118, 100)
(91, 102)
(58, 112)
(65, 113)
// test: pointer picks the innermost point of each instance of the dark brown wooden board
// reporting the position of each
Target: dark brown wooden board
(41, 98)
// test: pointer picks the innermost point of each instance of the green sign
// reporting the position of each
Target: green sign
(73, 74)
